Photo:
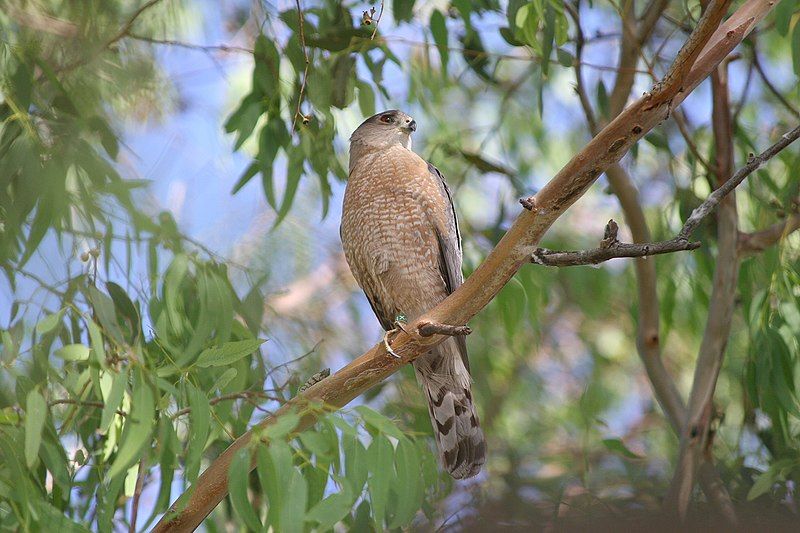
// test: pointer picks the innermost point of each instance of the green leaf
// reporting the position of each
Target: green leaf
(35, 414)
(379, 422)
(200, 418)
(334, 508)
(73, 352)
(565, 59)
(355, 455)
(381, 465)
(547, 37)
(293, 173)
(223, 380)
(408, 488)
(783, 16)
(97, 342)
(293, 510)
(796, 49)
(439, 32)
(228, 353)
(114, 399)
(138, 427)
(343, 84)
(104, 308)
(244, 119)
(238, 475)
(316, 443)
(602, 99)
(618, 447)
(767, 479)
(49, 323)
(266, 72)
(246, 176)
(283, 425)
(403, 10)
(274, 465)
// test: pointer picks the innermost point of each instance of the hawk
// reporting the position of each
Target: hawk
(401, 241)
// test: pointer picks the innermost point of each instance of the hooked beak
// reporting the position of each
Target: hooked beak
(410, 126)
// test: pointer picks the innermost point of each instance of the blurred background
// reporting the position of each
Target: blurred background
(173, 173)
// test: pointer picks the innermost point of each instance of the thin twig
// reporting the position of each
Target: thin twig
(298, 112)
(82, 403)
(753, 164)
(245, 395)
(556, 258)
(683, 128)
(128, 25)
(191, 46)
(768, 84)
(583, 97)
(375, 30)
(137, 492)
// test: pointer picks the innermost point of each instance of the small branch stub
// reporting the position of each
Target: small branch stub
(610, 234)
(427, 329)
(528, 203)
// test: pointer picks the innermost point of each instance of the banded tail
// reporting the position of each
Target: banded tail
(446, 380)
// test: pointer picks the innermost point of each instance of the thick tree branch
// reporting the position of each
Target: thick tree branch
(696, 440)
(511, 253)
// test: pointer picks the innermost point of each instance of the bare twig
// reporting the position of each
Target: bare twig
(753, 164)
(244, 395)
(298, 112)
(426, 329)
(82, 403)
(774, 90)
(611, 249)
(380, 15)
(123, 32)
(683, 128)
(583, 97)
(191, 46)
(491, 276)
(555, 258)
(137, 492)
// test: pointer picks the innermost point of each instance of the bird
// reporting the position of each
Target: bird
(402, 243)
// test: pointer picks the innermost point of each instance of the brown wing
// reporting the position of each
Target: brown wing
(449, 238)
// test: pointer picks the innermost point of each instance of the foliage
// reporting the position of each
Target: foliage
(150, 354)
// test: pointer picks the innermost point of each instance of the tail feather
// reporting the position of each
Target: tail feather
(459, 438)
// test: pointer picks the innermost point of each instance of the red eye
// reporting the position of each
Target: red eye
(386, 119)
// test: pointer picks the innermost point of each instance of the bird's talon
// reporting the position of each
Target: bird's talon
(387, 346)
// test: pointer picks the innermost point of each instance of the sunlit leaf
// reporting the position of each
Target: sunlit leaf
(228, 353)
(237, 488)
(439, 32)
(138, 427)
(35, 414)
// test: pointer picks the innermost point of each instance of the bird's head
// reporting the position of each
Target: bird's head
(385, 129)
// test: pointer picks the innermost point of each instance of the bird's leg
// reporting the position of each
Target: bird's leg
(399, 320)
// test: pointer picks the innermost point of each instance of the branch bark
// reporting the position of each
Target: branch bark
(511, 253)
(696, 440)
(556, 258)
(758, 241)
